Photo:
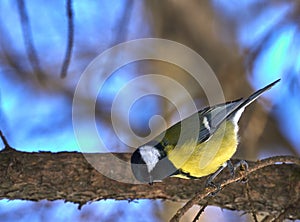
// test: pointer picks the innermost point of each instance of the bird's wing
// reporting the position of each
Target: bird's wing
(200, 126)
(197, 127)
(216, 115)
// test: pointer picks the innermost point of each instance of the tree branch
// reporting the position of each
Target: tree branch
(259, 181)
(4, 140)
(28, 40)
(274, 188)
(70, 39)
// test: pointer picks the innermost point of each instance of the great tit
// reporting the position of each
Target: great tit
(178, 153)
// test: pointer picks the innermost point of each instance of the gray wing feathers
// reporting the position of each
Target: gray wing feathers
(219, 113)
(210, 119)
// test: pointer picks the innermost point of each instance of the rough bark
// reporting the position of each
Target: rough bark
(69, 176)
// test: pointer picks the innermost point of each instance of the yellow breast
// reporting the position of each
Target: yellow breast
(203, 159)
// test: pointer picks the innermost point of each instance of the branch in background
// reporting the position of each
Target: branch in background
(28, 40)
(200, 212)
(68, 176)
(70, 40)
(122, 24)
(4, 140)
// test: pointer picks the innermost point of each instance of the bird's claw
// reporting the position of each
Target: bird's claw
(243, 166)
(216, 186)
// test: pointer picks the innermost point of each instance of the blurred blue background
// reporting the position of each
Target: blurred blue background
(247, 43)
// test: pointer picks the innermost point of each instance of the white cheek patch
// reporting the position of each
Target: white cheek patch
(150, 156)
(206, 123)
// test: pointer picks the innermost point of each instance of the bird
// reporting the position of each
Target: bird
(190, 152)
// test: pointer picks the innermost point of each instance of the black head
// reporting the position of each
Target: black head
(150, 163)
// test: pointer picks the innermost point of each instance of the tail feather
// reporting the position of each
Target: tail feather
(255, 95)
(252, 98)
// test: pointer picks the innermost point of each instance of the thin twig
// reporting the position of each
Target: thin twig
(280, 217)
(6, 145)
(28, 40)
(268, 218)
(200, 212)
(70, 39)
(208, 191)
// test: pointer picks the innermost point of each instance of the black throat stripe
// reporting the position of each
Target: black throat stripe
(188, 175)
